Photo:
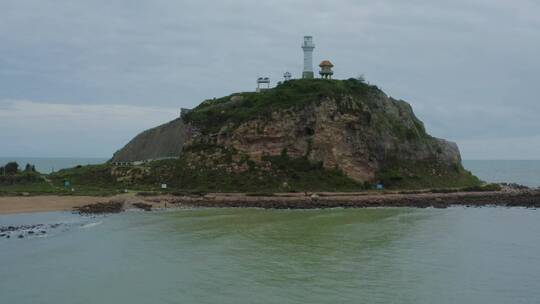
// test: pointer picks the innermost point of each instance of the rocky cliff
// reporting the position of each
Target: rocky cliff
(344, 133)
(166, 140)
(306, 133)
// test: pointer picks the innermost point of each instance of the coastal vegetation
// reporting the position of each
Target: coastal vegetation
(13, 180)
(10, 174)
(429, 175)
(283, 174)
(28, 181)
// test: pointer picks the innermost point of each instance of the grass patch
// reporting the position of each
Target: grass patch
(35, 188)
(277, 174)
(427, 175)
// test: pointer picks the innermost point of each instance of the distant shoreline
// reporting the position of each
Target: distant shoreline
(517, 198)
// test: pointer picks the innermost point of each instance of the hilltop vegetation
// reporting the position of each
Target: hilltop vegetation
(294, 95)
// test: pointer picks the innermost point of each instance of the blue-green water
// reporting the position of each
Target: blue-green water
(456, 255)
(50, 164)
(524, 172)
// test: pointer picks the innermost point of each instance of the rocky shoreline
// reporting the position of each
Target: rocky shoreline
(508, 197)
(528, 199)
(113, 206)
(22, 231)
(516, 198)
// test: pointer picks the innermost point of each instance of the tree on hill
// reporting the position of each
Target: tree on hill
(29, 168)
(11, 168)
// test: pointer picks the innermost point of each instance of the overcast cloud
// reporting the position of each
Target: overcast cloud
(80, 78)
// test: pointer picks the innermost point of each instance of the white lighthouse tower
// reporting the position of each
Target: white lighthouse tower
(308, 47)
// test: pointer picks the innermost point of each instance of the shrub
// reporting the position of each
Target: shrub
(11, 168)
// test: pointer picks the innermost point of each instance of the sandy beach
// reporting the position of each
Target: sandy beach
(45, 203)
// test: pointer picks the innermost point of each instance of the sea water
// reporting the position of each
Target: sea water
(387, 255)
(524, 172)
(51, 164)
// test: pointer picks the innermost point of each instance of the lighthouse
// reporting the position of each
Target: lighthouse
(308, 47)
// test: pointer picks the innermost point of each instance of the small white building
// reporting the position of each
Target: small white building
(263, 83)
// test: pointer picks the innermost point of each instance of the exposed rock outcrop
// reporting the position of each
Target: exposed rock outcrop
(113, 206)
(354, 140)
(162, 141)
(345, 125)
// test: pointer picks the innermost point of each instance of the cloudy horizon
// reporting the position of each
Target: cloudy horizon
(82, 78)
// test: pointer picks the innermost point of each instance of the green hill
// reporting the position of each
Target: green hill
(305, 134)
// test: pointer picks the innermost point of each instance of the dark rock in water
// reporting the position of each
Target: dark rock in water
(8, 236)
(7, 229)
(143, 206)
(43, 232)
(23, 228)
(3, 235)
(102, 208)
(21, 236)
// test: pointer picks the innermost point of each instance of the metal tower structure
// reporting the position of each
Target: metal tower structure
(287, 76)
(263, 81)
(308, 47)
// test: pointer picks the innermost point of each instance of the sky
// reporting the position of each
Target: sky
(81, 78)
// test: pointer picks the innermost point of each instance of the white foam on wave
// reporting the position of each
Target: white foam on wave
(90, 225)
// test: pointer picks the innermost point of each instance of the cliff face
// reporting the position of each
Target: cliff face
(343, 134)
(166, 140)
